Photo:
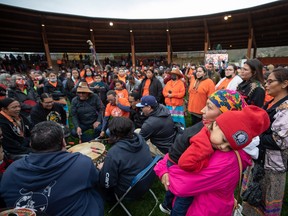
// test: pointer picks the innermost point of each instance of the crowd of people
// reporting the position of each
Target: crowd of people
(196, 119)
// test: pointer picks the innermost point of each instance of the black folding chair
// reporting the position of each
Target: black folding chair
(142, 180)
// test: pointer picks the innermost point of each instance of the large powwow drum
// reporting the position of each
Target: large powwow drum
(19, 212)
(95, 150)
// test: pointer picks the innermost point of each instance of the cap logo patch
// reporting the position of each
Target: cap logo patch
(240, 137)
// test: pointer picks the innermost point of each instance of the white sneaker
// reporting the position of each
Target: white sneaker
(164, 209)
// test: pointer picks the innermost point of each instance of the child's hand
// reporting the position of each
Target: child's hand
(165, 181)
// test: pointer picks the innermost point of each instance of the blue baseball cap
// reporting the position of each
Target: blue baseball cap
(148, 100)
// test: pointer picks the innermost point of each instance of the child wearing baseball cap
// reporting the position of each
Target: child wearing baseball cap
(232, 130)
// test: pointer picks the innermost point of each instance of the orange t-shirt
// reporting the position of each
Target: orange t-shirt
(123, 79)
(224, 84)
(115, 111)
(198, 95)
(146, 88)
(122, 93)
(89, 80)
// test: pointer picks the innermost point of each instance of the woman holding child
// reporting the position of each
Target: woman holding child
(212, 186)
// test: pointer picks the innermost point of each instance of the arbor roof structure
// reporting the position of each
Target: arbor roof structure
(24, 30)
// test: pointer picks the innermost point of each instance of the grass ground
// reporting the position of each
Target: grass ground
(143, 206)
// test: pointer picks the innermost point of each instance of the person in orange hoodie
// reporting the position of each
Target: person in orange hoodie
(174, 92)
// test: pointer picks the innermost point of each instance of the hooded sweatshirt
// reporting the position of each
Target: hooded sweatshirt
(159, 128)
(57, 183)
(212, 188)
(124, 160)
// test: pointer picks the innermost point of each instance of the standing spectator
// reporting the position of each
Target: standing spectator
(273, 147)
(101, 88)
(26, 95)
(174, 92)
(73, 81)
(128, 156)
(87, 113)
(150, 85)
(213, 186)
(252, 86)
(199, 91)
(87, 75)
(120, 89)
(231, 79)
(132, 84)
(54, 86)
(51, 175)
(5, 79)
(212, 74)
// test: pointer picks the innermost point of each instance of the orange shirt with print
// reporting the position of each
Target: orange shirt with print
(123, 93)
(198, 94)
(146, 87)
(115, 111)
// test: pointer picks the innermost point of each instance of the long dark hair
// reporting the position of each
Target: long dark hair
(256, 67)
(120, 128)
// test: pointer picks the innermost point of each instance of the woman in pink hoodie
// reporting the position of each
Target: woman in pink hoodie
(213, 186)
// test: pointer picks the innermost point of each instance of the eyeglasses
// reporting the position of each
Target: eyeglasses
(269, 81)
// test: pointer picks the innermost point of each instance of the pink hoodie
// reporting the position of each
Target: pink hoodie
(212, 188)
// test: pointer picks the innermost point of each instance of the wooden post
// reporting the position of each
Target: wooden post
(168, 47)
(46, 46)
(250, 37)
(206, 39)
(132, 49)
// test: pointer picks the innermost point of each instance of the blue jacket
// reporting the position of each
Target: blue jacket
(57, 183)
(124, 160)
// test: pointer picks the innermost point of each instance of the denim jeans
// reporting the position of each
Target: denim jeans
(181, 204)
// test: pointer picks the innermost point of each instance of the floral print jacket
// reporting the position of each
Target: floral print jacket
(276, 160)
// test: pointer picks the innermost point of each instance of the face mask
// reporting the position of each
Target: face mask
(228, 77)
(20, 82)
(200, 78)
(173, 77)
(53, 80)
(88, 74)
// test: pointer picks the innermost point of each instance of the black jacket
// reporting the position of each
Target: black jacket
(159, 128)
(155, 89)
(86, 112)
(182, 141)
(253, 92)
(13, 142)
(26, 100)
(137, 117)
(57, 91)
(124, 160)
(56, 114)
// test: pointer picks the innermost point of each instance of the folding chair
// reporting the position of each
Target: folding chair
(146, 174)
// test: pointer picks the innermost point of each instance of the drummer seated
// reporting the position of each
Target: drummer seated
(86, 109)
(128, 156)
(52, 180)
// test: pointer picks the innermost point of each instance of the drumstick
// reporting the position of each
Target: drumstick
(95, 148)
(97, 152)
(80, 141)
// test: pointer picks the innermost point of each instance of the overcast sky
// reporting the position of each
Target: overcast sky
(136, 9)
